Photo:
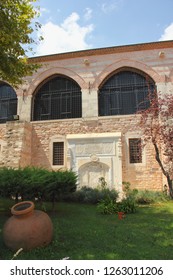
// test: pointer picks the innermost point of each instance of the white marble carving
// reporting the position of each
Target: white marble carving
(94, 156)
(94, 148)
(91, 172)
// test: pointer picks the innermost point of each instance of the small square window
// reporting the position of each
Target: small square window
(58, 153)
(135, 150)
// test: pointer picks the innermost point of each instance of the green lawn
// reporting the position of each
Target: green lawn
(81, 233)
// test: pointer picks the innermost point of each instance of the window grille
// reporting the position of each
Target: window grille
(124, 93)
(8, 103)
(135, 150)
(58, 153)
(59, 98)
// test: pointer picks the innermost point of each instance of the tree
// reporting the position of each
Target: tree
(17, 25)
(157, 126)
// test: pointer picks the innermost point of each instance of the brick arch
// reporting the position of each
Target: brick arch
(125, 63)
(55, 71)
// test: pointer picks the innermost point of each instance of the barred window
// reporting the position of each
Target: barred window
(58, 153)
(59, 98)
(135, 150)
(8, 103)
(124, 93)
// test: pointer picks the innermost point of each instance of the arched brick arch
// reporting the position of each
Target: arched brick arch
(125, 63)
(53, 71)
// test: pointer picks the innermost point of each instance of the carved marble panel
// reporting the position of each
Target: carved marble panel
(83, 149)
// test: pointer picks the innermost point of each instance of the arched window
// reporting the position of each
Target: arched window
(58, 98)
(124, 93)
(8, 103)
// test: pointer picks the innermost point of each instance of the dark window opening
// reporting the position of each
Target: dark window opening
(8, 103)
(135, 150)
(124, 93)
(59, 98)
(58, 153)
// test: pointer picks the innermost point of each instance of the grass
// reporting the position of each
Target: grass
(81, 233)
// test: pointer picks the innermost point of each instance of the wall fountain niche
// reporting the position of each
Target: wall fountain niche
(96, 155)
(91, 172)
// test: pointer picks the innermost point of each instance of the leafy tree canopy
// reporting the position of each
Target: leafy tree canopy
(16, 27)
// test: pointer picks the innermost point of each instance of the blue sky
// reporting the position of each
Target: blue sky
(86, 24)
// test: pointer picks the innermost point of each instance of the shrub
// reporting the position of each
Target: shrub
(107, 206)
(144, 196)
(127, 205)
(10, 183)
(59, 184)
(33, 182)
(148, 197)
(91, 195)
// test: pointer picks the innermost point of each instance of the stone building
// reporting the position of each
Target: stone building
(78, 112)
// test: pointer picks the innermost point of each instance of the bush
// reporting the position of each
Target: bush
(107, 206)
(127, 205)
(31, 183)
(148, 197)
(144, 196)
(91, 195)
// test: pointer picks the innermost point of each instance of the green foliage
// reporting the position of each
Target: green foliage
(145, 196)
(17, 21)
(126, 205)
(107, 206)
(148, 197)
(91, 195)
(31, 183)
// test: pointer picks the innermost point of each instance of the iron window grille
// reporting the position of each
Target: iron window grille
(124, 93)
(135, 150)
(59, 98)
(8, 103)
(58, 153)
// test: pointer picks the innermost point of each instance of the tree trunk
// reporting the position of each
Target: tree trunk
(170, 186)
(169, 181)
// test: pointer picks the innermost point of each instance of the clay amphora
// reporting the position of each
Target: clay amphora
(27, 228)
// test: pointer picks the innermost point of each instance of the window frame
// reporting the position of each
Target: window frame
(133, 149)
(56, 153)
(60, 97)
(8, 100)
(57, 139)
(124, 93)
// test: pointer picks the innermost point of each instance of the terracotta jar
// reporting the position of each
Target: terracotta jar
(27, 228)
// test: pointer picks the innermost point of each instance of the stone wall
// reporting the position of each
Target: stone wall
(143, 176)
(26, 142)
(17, 149)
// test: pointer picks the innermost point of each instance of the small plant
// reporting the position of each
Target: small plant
(127, 205)
(107, 206)
(149, 197)
(102, 183)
